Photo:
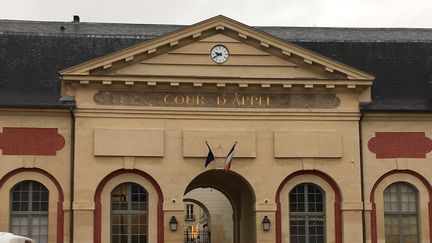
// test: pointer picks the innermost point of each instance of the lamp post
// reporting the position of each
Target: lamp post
(173, 223)
(266, 223)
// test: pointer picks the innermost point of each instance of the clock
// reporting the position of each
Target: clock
(219, 54)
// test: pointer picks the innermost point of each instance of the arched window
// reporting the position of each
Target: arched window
(307, 217)
(129, 214)
(401, 213)
(29, 210)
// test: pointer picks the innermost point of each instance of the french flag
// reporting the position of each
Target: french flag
(228, 160)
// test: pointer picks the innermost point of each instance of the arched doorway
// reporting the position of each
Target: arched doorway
(240, 195)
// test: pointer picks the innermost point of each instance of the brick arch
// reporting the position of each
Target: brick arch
(337, 204)
(374, 230)
(97, 217)
(60, 200)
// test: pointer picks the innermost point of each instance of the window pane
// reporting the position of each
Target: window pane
(143, 197)
(15, 206)
(36, 206)
(43, 238)
(35, 220)
(24, 220)
(135, 206)
(35, 230)
(44, 196)
(115, 239)
(135, 229)
(25, 186)
(123, 228)
(44, 220)
(23, 230)
(36, 196)
(143, 238)
(44, 206)
(24, 206)
(115, 229)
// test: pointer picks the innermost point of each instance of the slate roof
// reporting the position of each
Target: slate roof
(32, 52)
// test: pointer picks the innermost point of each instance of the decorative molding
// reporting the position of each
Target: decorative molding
(129, 162)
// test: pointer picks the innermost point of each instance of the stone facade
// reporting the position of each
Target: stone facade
(143, 115)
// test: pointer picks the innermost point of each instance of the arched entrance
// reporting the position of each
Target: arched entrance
(241, 196)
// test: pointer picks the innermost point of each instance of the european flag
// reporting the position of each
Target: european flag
(210, 156)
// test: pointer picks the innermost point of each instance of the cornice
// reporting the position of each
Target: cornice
(219, 114)
(34, 112)
(129, 81)
(397, 116)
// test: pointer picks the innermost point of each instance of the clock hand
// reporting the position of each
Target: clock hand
(217, 54)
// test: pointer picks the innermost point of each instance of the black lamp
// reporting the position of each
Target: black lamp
(266, 223)
(173, 223)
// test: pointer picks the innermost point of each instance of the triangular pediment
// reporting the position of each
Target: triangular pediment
(254, 56)
(194, 60)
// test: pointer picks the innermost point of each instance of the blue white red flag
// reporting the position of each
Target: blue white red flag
(229, 158)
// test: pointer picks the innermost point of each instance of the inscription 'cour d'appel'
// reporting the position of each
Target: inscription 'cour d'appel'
(216, 99)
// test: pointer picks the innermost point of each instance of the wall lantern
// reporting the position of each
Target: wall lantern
(266, 223)
(173, 223)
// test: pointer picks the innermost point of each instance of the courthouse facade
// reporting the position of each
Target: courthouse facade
(103, 131)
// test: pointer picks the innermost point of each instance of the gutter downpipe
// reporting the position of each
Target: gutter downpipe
(362, 175)
(72, 176)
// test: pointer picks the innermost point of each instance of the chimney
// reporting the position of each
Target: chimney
(76, 18)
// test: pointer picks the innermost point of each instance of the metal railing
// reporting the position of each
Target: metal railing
(196, 236)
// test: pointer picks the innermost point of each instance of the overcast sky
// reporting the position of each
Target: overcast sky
(321, 13)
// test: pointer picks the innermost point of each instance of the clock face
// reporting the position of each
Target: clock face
(219, 54)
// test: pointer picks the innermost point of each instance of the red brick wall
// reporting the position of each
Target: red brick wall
(400, 145)
(30, 141)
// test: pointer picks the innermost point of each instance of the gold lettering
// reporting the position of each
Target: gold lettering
(189, 100)
(255, 100)
(238, 100)
(245, 98)
(234, 100)
(220, 100)
(200, 100)
(179, 100)
(166, 100)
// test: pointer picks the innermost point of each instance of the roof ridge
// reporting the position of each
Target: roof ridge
(182, 25)
(125, 36)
